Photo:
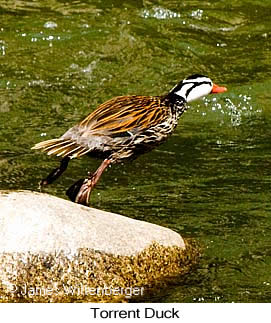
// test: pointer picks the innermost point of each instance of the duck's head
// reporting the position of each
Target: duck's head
(195, 87)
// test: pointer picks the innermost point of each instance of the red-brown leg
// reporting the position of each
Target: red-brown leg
(88, 184)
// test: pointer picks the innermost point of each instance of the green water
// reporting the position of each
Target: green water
(211, 180)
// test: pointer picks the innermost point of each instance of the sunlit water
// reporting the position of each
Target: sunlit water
(211, 180)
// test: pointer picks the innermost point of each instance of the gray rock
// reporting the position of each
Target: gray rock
(35, 222)
(54, 244)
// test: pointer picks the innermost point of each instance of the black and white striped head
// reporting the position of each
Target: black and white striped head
(195, 87)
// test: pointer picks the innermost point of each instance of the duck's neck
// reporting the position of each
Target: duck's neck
(176, 103)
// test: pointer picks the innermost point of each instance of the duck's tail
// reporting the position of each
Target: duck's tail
(62, 147)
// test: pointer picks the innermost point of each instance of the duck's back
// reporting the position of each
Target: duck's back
(121, 127)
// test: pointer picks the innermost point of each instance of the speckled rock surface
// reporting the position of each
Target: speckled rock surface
(53, 250)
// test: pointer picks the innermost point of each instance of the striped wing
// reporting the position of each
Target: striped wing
(125, 114)
(118, 117)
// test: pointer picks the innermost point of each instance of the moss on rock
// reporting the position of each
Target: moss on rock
(92, 276)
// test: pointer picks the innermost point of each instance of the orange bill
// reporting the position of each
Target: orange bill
(218, 89)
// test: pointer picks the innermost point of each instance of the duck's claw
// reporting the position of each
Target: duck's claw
(73, 191)
(84, 193)
(80, 191)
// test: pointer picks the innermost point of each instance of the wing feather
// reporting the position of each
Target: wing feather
(123, 114)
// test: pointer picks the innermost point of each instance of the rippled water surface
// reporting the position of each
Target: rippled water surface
(211, 179)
